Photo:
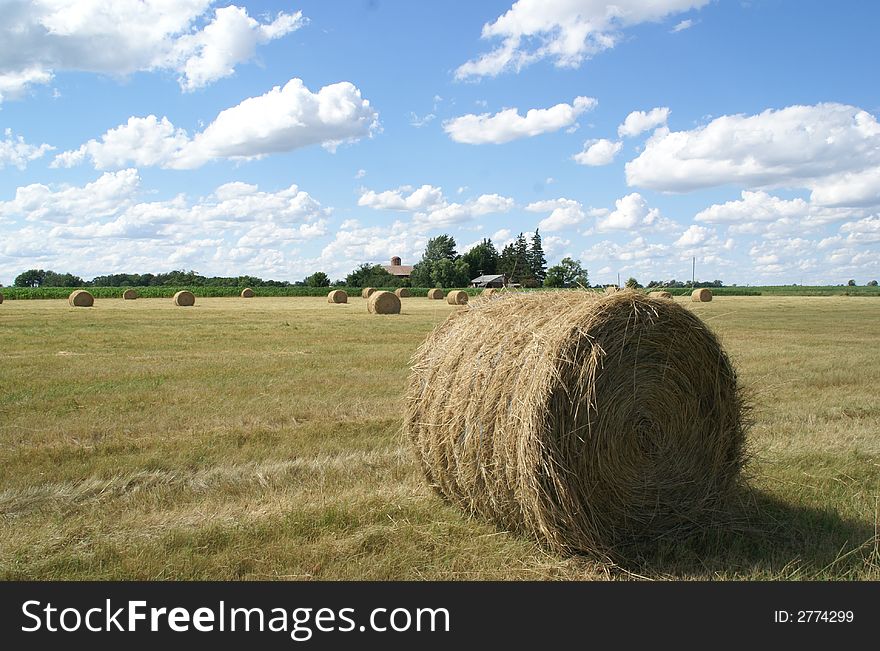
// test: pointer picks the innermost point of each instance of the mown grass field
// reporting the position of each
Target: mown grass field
(260, 439)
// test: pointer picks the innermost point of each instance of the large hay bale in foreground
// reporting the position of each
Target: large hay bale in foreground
(660, 294)
(591, 423)
(366, 292)
(403, 292)
(80, 298)
(702, 295)
(337, 296)
(184, 298)
(247, 292)
(383, 303)
(435, 294)
(457, 297)
(129, 295)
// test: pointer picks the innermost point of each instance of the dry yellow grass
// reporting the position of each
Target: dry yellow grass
(288, 462)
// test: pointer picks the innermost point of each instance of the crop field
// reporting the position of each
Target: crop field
(261, 439)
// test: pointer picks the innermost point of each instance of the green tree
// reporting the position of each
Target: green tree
(441, 247)
(440, 266)
(371, 275)
(317, 279)
(567, 273)
(537, 260)
(30, 278)
(482, 259)
(632, 283)
(851, 283)
(872, 283)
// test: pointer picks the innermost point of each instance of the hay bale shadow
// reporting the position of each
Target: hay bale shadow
(764, 537)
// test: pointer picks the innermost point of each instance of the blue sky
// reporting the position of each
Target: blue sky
(282, 138)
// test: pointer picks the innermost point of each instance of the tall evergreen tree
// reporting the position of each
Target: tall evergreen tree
(537, 260)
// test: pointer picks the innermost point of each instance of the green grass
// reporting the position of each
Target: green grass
(261, 439)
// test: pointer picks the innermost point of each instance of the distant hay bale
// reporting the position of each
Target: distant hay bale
(457, 297)
(612, 289)
(702, 295)
(184, 298)
(247, 292)
(591, 423)
(435, 294)
(1, 298)
(366, 292)
(129, 295)
(489, 292)
(337, 296)
(80, 298)
(403, 292)
(660, 294)
(383, 303)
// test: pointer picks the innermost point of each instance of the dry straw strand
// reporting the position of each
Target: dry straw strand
(702, 295)
(403, 292)
(591, 423)
(457, 297)
(366, 292)
(489, 292)
(80, 298)
(129, 295)
(435, 294)
(183, 298)
(247, 292)
(337, 296)
(611, 289)
(383, 303)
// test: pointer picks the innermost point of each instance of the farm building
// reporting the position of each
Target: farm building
(397, 269)
(489, 281)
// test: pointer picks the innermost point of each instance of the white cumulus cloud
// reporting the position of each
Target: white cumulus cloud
(119, 37)
(508, 124)
(14, 151)
(638, 122)
(283, 119)
(598, 152)
(565, 31)
(831, 149)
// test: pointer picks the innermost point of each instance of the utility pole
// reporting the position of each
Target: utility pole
(694, 271)
(618, 279)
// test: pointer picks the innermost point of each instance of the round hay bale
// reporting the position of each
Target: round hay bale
(80, 298)
(702, 295)
(1, 298)
(611, 289)
(184, 298)
(403, 292)
(660, 294)
(591, 423)
(247, 292)
(383, 303)
(457, 297)
(129, 295)
(337, 296)
(366, 292)
(436, 294)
